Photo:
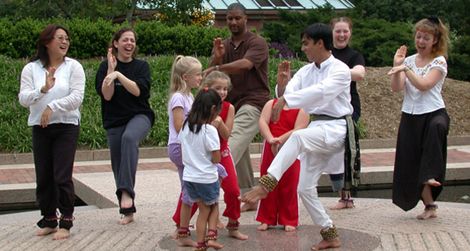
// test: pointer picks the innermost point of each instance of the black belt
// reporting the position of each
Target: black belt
(314, 117)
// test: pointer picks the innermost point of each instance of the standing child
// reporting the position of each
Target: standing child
(185, 75)
(281, 205)
(220, 82)
(200, 148)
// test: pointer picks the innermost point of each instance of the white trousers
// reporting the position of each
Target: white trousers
(315, 146)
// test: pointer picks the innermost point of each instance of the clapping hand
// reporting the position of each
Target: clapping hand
(400, 56)
(112, 62)
(50, 80)
(283, 74)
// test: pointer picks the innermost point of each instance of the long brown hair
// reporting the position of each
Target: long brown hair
(45, 38)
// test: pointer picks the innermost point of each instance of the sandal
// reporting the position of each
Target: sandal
(183, 232)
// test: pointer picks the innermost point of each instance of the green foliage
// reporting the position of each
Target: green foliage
(378, 40)
(175, 12)
(453, 12)
(459, 58)
(90, 38)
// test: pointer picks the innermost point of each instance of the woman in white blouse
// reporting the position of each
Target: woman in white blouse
(52, 87)
(421, 153)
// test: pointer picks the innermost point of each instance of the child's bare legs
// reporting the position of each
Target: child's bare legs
(426, 196)
(185, 217)
(220, 224)
(212, 222)
(201, 222)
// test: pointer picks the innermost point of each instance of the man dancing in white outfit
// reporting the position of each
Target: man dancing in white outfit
(321, 88)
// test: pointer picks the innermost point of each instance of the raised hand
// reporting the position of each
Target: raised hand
(219, 49)
(400, 56)
(112, 62)
(50, 80)
(283, 74)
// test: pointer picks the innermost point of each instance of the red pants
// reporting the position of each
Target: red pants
(231, 193)
(281, 205)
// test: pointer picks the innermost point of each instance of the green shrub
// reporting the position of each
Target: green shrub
(90, 38)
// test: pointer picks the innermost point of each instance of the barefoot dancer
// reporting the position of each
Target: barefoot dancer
(420, 160)
(52, 87)
(123, 83)
(321, 88)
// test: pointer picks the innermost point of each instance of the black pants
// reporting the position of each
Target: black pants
(54, 152)
(421, 154)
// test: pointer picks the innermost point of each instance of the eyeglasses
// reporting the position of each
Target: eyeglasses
(62, 38)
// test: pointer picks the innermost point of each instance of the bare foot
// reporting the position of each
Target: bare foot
(427, 214)
(262, 227)
(45, 231)
(433, 183)
(249, 207)
(237, 235)
(254, 195)
(186, 242)
(174, 235)
(214, 244)
(342, 204)
(220, 224)
(61, 234)
(126, 200)
(288, 228)
(126, 219)
(324, 244)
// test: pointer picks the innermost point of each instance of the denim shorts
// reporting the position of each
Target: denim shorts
(207, 193)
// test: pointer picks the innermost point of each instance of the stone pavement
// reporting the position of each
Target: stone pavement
(374, 224)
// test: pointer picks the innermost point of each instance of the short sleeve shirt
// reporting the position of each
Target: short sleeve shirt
(184, 101)
(196, 149)
(250, 87)
(420, 102)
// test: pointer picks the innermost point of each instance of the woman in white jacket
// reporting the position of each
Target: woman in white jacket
(52, 87)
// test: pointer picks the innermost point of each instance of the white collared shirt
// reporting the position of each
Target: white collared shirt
(420, 102)
(64, 98)
(321, 90)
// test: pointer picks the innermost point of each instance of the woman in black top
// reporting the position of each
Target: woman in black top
(123, 83)
(342, 29)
